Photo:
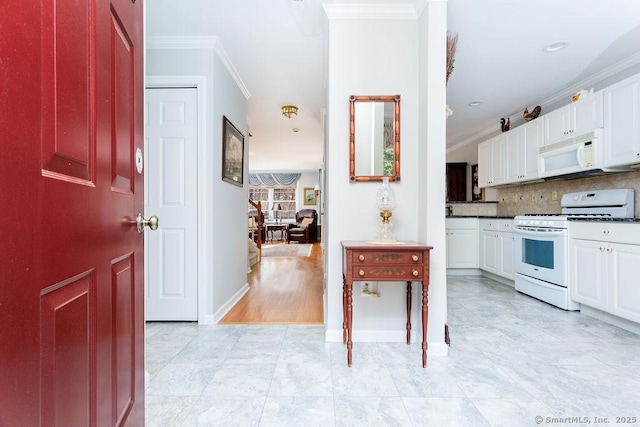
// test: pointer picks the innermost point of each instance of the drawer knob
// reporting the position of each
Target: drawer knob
(361, 272)
(414, 258)
(415, 273)
(361, 258)
(605, 232)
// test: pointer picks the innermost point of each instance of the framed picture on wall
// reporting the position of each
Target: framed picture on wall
(232, 153)
(477, 193)
(309, 196)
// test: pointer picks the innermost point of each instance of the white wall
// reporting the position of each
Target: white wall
(382, 57)
(222, 206)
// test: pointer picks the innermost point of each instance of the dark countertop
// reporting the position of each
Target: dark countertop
(477, 202)
(479, 216)
(605, 219)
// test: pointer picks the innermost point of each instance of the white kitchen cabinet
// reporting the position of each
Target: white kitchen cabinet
(574, 119)
(496, 247)
(462, 242)
(588, 282)
(506, 255)
(622, 122)
(521, 152)
(604, 260)
(491, 162)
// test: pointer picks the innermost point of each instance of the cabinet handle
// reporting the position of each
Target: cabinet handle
(609, 250)
(637, 154)
(414, 258)
(605, 232)
(601, 249)
(415, 273)
(361, 272)
(361, 258)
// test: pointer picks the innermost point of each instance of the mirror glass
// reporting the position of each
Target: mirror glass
(374, 138)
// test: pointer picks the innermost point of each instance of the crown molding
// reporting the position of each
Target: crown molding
(211, 42)
(565, 93)
(371, 11)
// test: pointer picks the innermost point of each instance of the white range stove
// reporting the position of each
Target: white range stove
(541, 242)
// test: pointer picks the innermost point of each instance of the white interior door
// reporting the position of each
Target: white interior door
(172, 174)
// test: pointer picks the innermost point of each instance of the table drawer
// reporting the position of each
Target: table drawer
(401, 272)
(371, 257)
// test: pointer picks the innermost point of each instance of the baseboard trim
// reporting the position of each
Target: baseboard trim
(611, 319)
(222, 311)
(435, 348)
(497, 278)
(463, 272)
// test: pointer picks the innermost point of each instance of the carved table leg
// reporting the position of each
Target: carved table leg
(425, 321)
(344, 310)
(349, 320)
(408, 313)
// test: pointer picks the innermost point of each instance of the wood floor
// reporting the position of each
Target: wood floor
(282, 290)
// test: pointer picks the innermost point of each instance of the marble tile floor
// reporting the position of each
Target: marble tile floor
(513, 361)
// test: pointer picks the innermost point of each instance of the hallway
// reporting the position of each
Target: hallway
(282, 290)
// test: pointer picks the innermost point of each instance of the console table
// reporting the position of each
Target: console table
(375, 262)
(271, 227)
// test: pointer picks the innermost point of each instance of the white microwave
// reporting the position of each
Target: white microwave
(572, 156)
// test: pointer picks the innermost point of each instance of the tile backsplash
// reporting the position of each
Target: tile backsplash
(544, 197)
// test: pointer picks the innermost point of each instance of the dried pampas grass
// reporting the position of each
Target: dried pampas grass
(452, 45)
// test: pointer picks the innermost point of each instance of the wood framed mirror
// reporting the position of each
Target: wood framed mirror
(374, 137)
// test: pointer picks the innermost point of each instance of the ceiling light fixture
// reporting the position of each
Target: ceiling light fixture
(555, 46)
(475, 103)
(289, 110)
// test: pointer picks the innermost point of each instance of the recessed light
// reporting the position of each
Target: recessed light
(555, 46)
(475, 103)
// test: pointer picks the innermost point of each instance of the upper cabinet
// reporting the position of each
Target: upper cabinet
(574, 119)
(622, 122)
(491, 162)
(521, 152)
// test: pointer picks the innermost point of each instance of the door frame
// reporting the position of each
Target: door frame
(199, 83)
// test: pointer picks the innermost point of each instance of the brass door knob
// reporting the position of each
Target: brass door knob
(152, 222)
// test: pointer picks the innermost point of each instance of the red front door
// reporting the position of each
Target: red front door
(71, 259)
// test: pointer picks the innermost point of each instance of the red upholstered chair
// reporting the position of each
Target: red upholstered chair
(305, 229)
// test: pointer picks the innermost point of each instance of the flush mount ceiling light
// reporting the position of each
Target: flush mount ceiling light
(555, 46)
(289, 110)
(475, 103)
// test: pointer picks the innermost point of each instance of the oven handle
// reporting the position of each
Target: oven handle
(528, 231)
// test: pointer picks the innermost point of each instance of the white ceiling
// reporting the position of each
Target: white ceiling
(278, 49)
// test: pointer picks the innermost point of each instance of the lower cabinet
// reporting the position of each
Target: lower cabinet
(462, 242)
(496, 247)
(604, 260)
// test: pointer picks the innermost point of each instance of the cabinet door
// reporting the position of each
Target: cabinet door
(497, 155)
(556, 125)
(506, 255)
(586, 114)
(588, 273)
(462, 249)
(622, 123)
(489, 245)
(533, 134)
(485, 166)
(512, 147)
(624, 289)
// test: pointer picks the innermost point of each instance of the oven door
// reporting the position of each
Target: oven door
(541, 253)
